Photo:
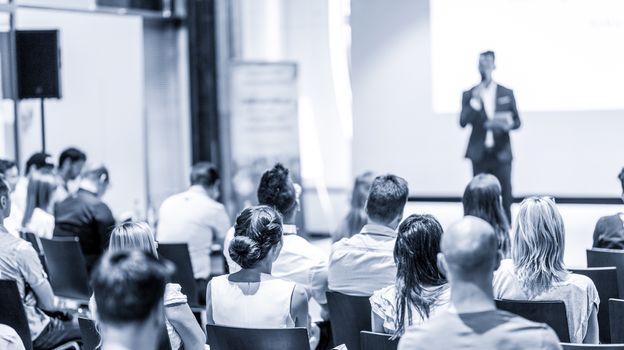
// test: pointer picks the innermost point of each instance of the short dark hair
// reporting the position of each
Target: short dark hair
(73, 154)
(257, 230)
(277, 190)
(489, 53)
(387, 198)
(621, 177)
(6, 164)
(39, 160)
(204, 173)
(128, 285)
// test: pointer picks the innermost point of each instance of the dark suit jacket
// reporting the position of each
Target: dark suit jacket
(85, 216)
(505, 102)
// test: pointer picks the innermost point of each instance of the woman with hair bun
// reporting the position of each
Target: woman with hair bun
(251, 297)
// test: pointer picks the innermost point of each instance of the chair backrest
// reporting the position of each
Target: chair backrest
(568, 346)
(553, 313)
(178, 254)
(616, 319)
(226, 338)
(599, 257)
(349, 315)
(91, 337)
(67, 269)
(605, 279)
(377, 341)
(12, 311)
(36, 243)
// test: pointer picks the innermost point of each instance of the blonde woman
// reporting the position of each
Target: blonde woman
(536, 270)
(182, 327)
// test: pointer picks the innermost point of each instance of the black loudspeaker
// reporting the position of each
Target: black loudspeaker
(38, 64)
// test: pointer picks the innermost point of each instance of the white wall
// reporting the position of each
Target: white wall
(396, 130)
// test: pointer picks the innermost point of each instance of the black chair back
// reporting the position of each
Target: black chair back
(178, 254)
(599, 257)
(227, 338)
(67, 269)
(605, 279)
(568, 346)
(349, 315)
(553, 313)
(377, 341)
(616, 319)
(36, 243)
(91, 336)
(12, 311)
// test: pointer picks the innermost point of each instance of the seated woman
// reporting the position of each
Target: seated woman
(421, 289)
(483, 199)
(38, 215)
(356, 218)
(251, 297)
(609, 231)
(182, 327)
(536, 270)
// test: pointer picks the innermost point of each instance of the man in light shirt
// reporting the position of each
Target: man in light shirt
(491, 110)
(9, 172)
(365, 262)
(196, 218)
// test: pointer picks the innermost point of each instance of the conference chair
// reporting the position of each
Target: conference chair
(605, 279)
(616, 319)
(91, 337)
(13, 315)
(377, 341)
(67, 269)
(349, 315)
(599, 257)
(553, 313)
(568, 346)
(178, 254)
(227, 338)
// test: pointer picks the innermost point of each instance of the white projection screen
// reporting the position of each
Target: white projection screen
(564, 59)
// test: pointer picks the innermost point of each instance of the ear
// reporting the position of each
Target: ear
(441, 262)
(3, 201)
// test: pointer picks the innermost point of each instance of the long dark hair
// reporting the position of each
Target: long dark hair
(356, 217)
(482, 198)
(415, 255)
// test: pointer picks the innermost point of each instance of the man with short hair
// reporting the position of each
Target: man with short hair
(8, 171)
(70, 164)
(86, 216)
(196, 218)
(20, 262)
(128, 288)
(468, 257)
(365, 262)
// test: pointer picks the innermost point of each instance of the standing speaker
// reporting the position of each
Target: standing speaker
(38, 64)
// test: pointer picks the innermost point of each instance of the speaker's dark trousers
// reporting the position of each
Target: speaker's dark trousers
(490, 164)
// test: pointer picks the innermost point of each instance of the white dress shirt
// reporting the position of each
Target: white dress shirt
(299, 261)
(364, 263)
(192, 217)
(488, 96)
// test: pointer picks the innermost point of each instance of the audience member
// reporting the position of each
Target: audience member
(70, 164)
(482, 198)
(38, 213)
(356, 217)
(196, 218)
(19, 262)
(128, 287)
(182, 327)
(8, 171)
(609, 231)
(299, 261)
(252, 297)
(536, 270)
(38, 162)
(468, 258)
(86, 216)
(420, 290)
(363, 263)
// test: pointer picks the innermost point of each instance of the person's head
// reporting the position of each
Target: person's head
(415, 254)
(621, 177)
(469, 253)
(277, 190)
(39, 194)
(8, 169)
(257, 237)
(205, 174)
(487, 64)
(538, 245)
(361, 188)
(71, 162)
(39, 161)
(386, 200)
(5, 199)
(482, 198)
(133, 235)
(128, 288)
(97, 177)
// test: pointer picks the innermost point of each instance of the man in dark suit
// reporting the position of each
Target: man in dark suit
(491, 110)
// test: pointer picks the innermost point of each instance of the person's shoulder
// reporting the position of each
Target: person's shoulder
(503, 90)
(506, 267)
(427, 335)
(528, 332)
(580, 281)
